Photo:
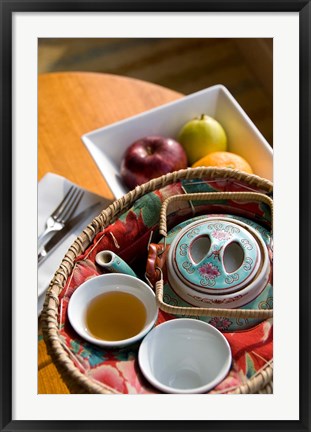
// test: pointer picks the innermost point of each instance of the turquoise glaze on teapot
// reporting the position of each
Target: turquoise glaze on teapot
(215, 256)
(221, 261)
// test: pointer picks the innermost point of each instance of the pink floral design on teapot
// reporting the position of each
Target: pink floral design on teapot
(215, 255)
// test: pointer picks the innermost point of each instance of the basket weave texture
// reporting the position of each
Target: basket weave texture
(68, 350)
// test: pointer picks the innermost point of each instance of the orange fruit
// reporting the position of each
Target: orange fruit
(224, 159)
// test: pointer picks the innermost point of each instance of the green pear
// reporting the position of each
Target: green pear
(201, 136)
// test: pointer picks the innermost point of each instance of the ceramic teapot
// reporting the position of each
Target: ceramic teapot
(217, 267)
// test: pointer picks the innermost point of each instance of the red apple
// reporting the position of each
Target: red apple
(151, 157)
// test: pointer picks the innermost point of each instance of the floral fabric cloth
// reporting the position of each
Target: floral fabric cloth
(129, 236)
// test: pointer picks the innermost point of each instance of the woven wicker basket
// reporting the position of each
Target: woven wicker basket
(78, 382)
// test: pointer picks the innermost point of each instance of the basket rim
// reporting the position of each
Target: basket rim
(49, 316)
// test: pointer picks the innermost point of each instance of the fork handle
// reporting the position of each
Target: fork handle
(46, 232)
(41, 256)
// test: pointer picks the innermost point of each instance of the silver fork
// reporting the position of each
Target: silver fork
(63, 212)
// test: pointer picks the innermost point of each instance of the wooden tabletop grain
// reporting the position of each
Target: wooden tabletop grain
(70, 105)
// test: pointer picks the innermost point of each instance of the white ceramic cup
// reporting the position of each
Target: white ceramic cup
(185, 355)
(92, 288)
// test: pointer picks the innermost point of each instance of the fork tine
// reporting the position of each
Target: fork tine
(62, 204)
(72, 205)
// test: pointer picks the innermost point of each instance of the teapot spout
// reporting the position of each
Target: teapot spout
(113, 263)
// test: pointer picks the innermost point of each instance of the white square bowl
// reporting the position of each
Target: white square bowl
(108, 144)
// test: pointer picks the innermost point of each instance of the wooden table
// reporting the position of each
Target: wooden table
(69, 105)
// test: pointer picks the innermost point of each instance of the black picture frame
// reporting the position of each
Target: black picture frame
(8, 8)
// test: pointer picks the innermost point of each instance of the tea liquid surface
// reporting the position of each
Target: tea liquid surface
(115, 316)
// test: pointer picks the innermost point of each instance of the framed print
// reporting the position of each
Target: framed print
(224, 230)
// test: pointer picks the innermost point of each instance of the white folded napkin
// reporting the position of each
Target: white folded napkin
(51, 190)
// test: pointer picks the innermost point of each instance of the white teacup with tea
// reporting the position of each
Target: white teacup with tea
(113, 310)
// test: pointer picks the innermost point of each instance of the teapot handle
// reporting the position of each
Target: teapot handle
(209, 196)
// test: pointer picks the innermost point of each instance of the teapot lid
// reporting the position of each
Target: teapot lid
(215, 256)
